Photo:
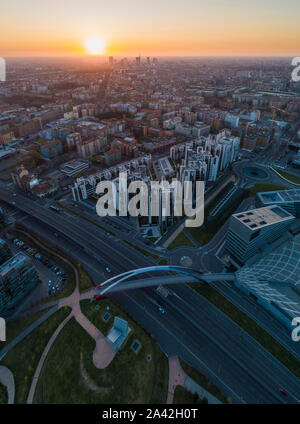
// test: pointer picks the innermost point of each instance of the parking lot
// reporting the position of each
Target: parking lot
(53, 277)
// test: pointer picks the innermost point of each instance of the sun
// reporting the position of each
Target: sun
(94, 46)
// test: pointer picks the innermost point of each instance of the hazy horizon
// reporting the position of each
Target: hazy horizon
(172, 28)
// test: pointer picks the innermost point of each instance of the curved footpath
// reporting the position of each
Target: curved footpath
(7, 379)
(103, 353)
(178, 377)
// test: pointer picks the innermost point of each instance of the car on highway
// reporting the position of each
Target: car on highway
(282, 391)
(161, 310)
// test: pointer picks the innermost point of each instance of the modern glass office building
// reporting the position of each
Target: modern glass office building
(252, 230)
(287, 199)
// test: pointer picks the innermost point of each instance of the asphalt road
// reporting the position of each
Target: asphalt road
(239, 361)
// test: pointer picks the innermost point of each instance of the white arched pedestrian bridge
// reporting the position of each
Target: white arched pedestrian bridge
(182, 275)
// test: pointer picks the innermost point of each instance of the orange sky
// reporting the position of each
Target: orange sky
(159, 27)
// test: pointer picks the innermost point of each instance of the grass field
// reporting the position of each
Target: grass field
(291, 177)
(3, 395)
(23, 359)
(91, 221)
(201, 236)
(139, 249)
(203, 381)
(13, 328)
(130, 378)
(251, 327)
(85, 282)
(163, 262)
(264, 187)
(181, 240)
(183, 396)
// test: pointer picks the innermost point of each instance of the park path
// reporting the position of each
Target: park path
(43, 357)
(103, 353)
(176, 377)
(27, 331)
(7, 379)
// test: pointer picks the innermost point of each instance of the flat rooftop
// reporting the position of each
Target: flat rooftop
(74, 164)
(13, 263)
(259, 218)
(280, 196)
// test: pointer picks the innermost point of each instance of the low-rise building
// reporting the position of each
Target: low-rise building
(51, 149)
(252, 230)
(17, 277)
(74, 167)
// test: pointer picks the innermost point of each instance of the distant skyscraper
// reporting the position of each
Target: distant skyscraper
(111, 60)
(138, 60)
(148, 60)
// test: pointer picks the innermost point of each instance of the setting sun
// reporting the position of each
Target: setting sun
(94, 46)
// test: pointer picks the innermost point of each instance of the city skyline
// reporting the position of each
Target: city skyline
(220, 28)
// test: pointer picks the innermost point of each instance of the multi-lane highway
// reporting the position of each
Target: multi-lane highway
(191, 327)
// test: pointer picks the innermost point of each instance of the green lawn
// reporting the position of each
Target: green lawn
(3, 395)
(23, 359)
(181, 240)
(182, 395)
(291, 177)
(13, 328)
(201, 236)
(139, 249)
(251, 327)
(130, 377)
(203, 381)
(264, 187)
(91, 221)
(163, 262)
(85, 282)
